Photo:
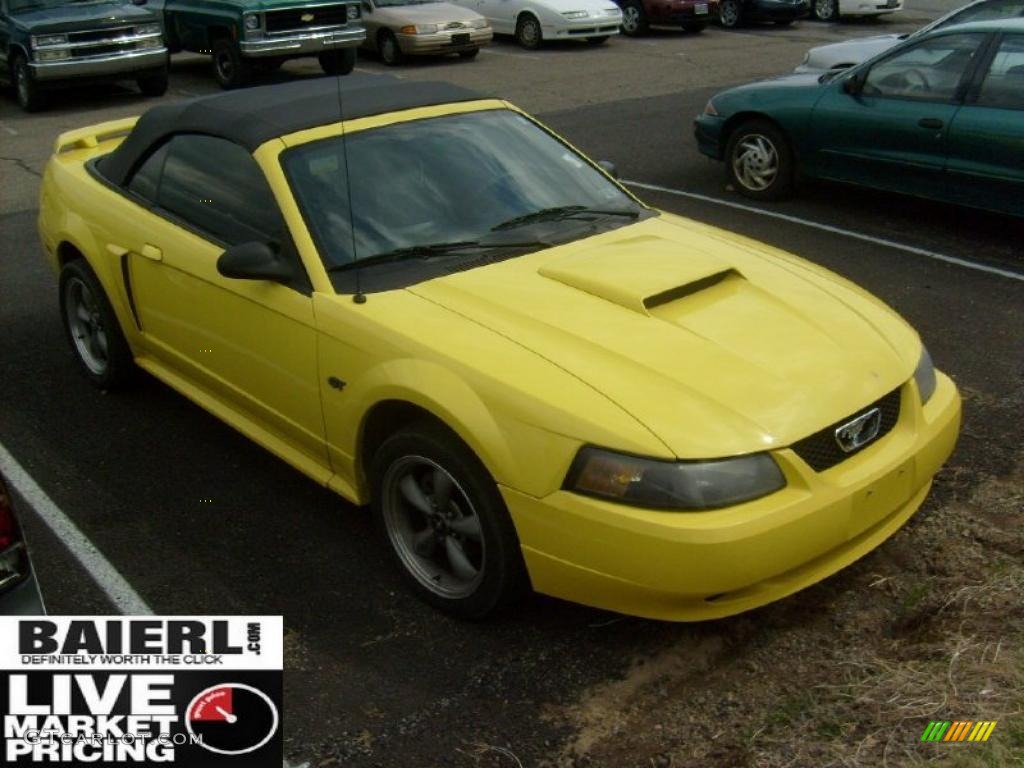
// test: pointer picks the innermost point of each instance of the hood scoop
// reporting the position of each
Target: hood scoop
(639, 274)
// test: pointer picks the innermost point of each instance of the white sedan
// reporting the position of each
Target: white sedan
(535, 21)
(831, 10)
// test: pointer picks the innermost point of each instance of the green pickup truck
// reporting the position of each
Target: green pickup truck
(245, 37)
(49, 44)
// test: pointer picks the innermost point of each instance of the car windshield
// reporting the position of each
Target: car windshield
(447, 185)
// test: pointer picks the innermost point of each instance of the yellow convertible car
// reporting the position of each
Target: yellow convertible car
(425, 300)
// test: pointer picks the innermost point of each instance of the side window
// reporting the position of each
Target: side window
(929, 71)
(146, 180)
(1004, 84)
(217, 187)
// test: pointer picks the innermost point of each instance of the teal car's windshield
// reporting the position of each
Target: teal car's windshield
(450, 184)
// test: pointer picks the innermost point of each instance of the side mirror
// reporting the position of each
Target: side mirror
(853, 85)
(609, 167)
(255, 261)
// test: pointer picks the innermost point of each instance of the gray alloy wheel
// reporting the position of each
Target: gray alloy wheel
(633, 20)
(30, 98)
(86, 326)
(433, 526)
(755, 162)
(826, 10)
(759, 161)
(528, 32)
(730, 14)
(390, 52)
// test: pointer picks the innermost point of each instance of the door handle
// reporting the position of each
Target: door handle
(931, 123)
(152, 253)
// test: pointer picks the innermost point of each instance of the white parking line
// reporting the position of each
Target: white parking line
(106, 576)
(834, 230)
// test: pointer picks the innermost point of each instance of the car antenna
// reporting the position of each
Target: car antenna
(359, 297)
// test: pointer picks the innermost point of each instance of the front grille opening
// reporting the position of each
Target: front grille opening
(821, 451)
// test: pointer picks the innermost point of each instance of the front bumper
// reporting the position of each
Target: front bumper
(442, 42)
(304, 44)
(596, 26)
(706, 565)
(112, 65)
(707, 129)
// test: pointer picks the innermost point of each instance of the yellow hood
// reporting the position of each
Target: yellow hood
(719, 345)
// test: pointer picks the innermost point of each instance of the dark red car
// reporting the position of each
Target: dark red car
(691, 15)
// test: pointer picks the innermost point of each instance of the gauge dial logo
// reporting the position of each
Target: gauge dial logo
(232, 719)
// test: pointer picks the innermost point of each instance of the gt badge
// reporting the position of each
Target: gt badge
(860, 431)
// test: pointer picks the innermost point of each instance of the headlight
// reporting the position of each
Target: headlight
(419, 29)
(678, 485)
(478, 23)
(252, 22)
(52, 55)
(148, 29)
(354, 12)
(924, 376)
(575, 14)
(39, 41)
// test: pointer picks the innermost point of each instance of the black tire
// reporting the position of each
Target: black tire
(764, 145)
(634, 19)
(337, 63)
(389, 49)
(115, 367)
(472, 53)
(599, 40)
(418, 451)
(529, 34)
(695, 28)
(154, 84)
(31, 97)
(825, 10)
(730, 14)
(231, 69)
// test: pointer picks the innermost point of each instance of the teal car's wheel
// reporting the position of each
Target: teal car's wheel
(92, 328)
(445, 522)
(528, 32)
(826, 10)
(730, 14)
(231, 69)
(759, 162)
(30, 96)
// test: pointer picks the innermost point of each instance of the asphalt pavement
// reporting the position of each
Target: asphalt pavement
(200, 520)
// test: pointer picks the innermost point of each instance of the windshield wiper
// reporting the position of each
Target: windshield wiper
(560, 212)
(431, 251)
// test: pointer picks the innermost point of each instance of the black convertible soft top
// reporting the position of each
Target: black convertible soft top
(253, 116)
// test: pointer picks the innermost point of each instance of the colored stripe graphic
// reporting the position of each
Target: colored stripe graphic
(958, 730)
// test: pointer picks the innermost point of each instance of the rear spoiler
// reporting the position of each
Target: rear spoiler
(91, 136)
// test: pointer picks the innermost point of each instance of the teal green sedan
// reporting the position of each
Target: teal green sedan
(940, 117)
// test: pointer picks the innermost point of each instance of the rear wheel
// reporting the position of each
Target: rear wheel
(229, 66)
(445, 522)
(338, 62)
(826, 10)
(30, 96)
(730, 14)
(528, 32)
(153, 84)
(92, 328)
(634, 20)
(759, 162)
(390, 52)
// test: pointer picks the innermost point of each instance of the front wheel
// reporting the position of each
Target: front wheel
(30, 96)
(445, 522)
(154, 84)
(826, 10)
(528, 32)
(390, 51)
(231, 69)
(92, 328)
(338, 62)
(730, 14)
(759, 162)
(634, 20)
